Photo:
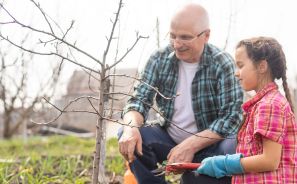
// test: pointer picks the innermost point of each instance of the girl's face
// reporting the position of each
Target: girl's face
(246, 71)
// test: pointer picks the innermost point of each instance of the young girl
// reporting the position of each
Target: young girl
(267, 140)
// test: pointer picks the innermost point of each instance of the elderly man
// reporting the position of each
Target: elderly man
(199, 122)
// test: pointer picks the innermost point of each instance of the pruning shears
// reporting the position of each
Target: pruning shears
(174, 167)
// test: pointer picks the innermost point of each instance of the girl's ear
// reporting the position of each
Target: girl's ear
(263, 66)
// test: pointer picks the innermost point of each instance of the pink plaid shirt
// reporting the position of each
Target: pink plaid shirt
(269, 115)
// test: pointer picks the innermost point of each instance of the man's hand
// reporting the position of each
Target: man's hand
(130, 140)
(185, 151)
(182, 152)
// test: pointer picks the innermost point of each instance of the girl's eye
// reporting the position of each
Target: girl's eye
(239, 66)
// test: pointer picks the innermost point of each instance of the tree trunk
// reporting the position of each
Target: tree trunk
(99, 130)
(102, 178)
(6, 128)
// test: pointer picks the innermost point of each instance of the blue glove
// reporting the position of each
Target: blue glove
(222, 165)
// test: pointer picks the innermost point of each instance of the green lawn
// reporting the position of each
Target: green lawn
(53, 160)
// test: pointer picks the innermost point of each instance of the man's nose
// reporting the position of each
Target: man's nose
(176, 43)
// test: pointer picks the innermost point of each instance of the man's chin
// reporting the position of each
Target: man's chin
(181, 56)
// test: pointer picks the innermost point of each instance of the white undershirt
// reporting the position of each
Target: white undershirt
(183, 115)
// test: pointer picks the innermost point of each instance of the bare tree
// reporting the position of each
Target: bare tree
(17, 104)
(50, 41)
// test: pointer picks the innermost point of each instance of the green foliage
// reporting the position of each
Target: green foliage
(114, 161)
(53, 160)
(116, 165)
(39, 146)
(47, 170)
(57, 160)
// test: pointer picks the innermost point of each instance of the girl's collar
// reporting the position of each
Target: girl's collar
(259, 95)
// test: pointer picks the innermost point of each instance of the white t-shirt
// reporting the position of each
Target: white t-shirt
(183, 115)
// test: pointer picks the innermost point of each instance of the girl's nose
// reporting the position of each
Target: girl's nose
(236, 73)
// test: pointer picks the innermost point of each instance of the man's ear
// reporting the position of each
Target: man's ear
(263, 66)
(207, 34)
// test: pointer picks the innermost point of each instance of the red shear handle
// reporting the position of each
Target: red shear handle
(182, 166)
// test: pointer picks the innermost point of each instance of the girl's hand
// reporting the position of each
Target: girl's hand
(222, 165)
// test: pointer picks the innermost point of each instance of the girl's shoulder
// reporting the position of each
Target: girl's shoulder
(274, 99)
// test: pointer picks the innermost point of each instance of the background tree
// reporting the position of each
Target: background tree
(16, 102)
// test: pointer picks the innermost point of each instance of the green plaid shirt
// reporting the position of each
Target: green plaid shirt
(216, 94)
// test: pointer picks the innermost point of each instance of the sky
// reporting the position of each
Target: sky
(236, 19)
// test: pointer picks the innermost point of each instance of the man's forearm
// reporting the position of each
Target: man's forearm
(133, 118)
(204, 139)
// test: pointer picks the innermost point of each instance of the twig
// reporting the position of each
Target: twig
(64, 109)
(48, 54)
(140, 80)
(49, 34)
(128, 51)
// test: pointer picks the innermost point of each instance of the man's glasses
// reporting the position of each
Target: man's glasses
(185, 38)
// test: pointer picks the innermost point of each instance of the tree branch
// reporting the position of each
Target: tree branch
(49, 34)
(48, 54)
(140, 80)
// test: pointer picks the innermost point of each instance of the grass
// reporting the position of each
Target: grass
(57, 160)
(53, 160)
(39, 146)
(114, 162)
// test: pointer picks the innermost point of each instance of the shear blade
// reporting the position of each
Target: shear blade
(159, 171)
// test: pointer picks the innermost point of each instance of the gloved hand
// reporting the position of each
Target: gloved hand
(222, 165)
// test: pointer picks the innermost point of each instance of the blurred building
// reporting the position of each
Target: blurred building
(81, 84)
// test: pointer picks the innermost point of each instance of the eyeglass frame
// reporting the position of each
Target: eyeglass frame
(185, 41)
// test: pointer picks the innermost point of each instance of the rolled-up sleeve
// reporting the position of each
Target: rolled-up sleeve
(230, 98)
(143, 95)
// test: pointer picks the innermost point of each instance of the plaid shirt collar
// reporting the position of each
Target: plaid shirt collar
(269, 87)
